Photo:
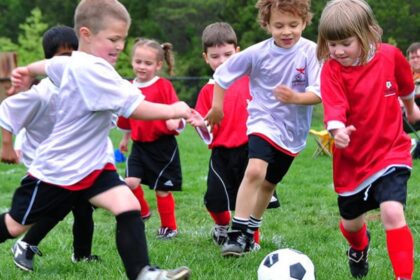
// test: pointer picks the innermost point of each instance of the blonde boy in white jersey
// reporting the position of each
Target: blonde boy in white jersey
(284, 75)
(71, 163)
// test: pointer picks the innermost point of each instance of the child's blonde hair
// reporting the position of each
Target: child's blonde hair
(94, 14)
(300, 8)
(164, 52)
(342, 19)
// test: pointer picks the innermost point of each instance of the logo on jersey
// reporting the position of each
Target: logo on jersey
(299, 78)
(390, 90)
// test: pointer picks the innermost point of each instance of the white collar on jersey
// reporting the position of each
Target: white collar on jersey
(145, 84)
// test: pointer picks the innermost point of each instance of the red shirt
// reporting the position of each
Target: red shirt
(161, 91)
(231, 132)
(366, 96)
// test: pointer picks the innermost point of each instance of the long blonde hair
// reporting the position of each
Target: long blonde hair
(342, 19)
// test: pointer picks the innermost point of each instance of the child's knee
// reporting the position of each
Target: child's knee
(132, 182)
(9, 228)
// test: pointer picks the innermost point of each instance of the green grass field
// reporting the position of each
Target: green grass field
(307, 221)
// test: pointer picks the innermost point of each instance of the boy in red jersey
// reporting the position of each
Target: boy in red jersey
(229, 155)
(361, 82)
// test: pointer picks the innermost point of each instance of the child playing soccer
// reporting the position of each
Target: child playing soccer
(283, 73)
(154, 158)
(361, 82)
(72, 162)
(229, 155)
(33, 113)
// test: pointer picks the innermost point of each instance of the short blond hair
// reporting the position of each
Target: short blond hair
(342, 19)
(300, 8)
(93, 14)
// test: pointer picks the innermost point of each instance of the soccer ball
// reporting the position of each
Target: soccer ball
(286, 264)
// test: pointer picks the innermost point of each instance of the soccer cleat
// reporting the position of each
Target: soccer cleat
(358, 261)
(154, 273)
(166, 233)
(235, 245)
(219, 234)
(90, 258)
(23, 255)
(252, 246)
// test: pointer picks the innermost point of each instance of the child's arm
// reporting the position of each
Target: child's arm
(196, 119)
(287, 95)
(411, 109)
(215, 115)
(8, 154)
(23, 77)
(155, 111)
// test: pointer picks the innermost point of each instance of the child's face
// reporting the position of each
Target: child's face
(347, 52)
(216, 55)
(107, 43)
(414, 60)
(145, 63)
(286, 28)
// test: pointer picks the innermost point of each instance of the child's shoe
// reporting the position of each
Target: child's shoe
(166, 233)
(358, 261)
(219, 234)
(23, 255)
(154, 273)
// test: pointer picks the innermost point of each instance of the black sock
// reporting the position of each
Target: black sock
(82, 229)
(39, 230)
(4, 232)
(131, 243)
(240, 224)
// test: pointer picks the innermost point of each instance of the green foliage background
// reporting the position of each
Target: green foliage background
(181, 22)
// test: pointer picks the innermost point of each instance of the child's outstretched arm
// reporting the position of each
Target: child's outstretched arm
(155, 111)
(289, 96)
(215, 115)
(8, 153)
(23, 77)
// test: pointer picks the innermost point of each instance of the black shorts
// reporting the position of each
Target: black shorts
(226, 170)
(35, 199)
(278, 162)
(391, 187)
(156, 163)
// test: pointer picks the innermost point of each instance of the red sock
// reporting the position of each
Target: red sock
(400, 245)
(358, 240)
(166, 208)
(257, 236)
(221, 218)
(139, 194)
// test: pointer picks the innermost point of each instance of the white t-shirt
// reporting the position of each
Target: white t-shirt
(267, 66)
(91, 91)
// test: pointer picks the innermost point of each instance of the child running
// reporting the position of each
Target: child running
(361, 82)
(33, 114)
(229, 155)
(284, 74)
(72, 162)
(154, 158)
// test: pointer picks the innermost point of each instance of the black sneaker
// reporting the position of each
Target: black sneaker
(23, 255)
(358, 261)
(237, 244)
(219, 234)
(90, 258)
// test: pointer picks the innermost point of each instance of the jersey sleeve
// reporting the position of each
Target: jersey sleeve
(314, 73)
(55, 68)
(123, 124)
(235, 67)
(333, 94)
(403, 74)
(17, 111)
(204, 100)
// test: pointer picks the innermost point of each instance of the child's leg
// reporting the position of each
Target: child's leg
(134, 184)
(399, 239)
(39, 230)
(166, 207)
(131, 238)
(4, 231)
(355, 232)
(83, 227)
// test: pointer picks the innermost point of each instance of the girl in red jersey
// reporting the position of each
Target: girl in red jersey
(361, 82)
(154, 158)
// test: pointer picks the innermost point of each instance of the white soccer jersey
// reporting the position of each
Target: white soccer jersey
(31, 116)
(90, 92)
(267, 66)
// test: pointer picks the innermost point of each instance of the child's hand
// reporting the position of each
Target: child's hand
(415, 114)
(21, 80)
(196, 119)
(342, 136)
(8, 155)
(181, 110)
(285, 94)
(214, 117)
(173, 124)
(123, 146)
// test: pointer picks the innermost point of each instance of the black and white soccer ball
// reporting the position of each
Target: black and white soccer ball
(286, 264)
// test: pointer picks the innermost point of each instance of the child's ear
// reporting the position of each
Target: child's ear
(205, 57)
(84, 33)
(159, 65)
(238, 49)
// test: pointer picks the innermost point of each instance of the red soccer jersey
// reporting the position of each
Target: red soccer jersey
(231, 132)
(366, 96)
(161, 91)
